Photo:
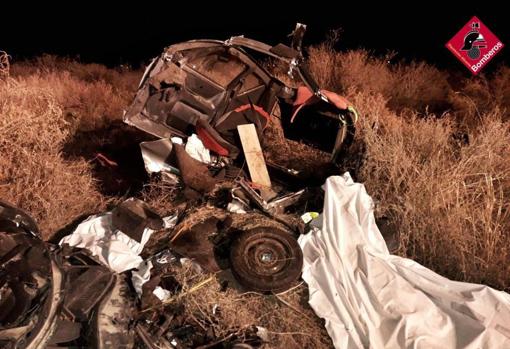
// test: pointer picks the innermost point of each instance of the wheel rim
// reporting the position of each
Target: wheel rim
(267, 256)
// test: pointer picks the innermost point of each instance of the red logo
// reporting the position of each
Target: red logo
(474, 45)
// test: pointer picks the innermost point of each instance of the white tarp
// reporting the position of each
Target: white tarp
(372, 299)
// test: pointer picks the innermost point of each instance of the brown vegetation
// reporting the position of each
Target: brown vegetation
(433, 152)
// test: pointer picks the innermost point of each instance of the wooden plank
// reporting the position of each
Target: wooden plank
(253, 154)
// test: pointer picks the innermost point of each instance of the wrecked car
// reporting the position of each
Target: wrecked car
(210, 102)
(209, 87)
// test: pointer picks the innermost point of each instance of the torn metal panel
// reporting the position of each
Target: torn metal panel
(276, 206)
(90, 286)
(114, 317)
(297, 36)
(156, 156)
(12, 217)
(210, 87)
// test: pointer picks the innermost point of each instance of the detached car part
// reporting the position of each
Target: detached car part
(52, 297)
(264, 255)
(209, 87)
(30, 282)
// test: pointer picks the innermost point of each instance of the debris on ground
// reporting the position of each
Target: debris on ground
(112, 281)
(238, 221)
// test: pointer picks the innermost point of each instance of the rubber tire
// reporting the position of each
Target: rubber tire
(249, 277)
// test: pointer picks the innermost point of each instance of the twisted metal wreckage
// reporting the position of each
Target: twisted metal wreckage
(209, 103)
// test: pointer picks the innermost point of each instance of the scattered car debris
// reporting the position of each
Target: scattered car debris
(156, 156)
(117, 238)
(51, 297)
(209, 103)
(218, 100)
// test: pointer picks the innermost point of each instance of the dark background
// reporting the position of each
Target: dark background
(134, 32)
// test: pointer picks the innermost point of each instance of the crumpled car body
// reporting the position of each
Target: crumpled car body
(209, 87)
(52, 297)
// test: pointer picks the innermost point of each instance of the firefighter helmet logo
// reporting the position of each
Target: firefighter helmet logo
(473, 42)
(474, 45)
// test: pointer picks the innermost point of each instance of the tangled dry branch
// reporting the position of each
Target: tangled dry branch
(4, 64)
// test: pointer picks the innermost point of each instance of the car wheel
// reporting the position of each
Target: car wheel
(266, 259)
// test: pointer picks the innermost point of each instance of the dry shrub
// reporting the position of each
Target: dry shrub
(471, 100)
(476, 95)
(122, 78)
(500, 86)
(4, 64)
(42, 106)
(33, 174)
(289, 321)
(91, 95)
(446, 197)
(417, 86)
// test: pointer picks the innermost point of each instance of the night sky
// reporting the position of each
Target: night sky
(128, 33)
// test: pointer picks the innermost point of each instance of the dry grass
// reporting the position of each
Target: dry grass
(434, 157)
(289, 321)
(447, 200)
(41, 107)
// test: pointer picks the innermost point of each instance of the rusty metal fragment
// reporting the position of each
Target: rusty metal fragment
(195, 174)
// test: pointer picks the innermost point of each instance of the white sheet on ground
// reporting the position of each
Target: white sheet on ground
(111, 246)
(372, 299)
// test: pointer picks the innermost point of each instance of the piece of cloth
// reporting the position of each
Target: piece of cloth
(141, 275)
(196, 149)
(372, 299)
(112, 247)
